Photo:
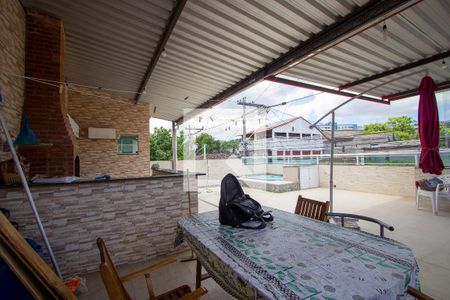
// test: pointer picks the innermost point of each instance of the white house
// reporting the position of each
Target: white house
(290, 138)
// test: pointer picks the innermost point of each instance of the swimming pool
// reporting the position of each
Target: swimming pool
(266, 177)
(268, 182)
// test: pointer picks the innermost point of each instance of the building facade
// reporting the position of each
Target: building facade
(290, 138)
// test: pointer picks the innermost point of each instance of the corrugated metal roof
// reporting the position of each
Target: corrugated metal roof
(216, 44)
(416, 33)
(213, 46)
(108, 43)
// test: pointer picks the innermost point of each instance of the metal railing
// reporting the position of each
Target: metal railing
(405, 158)
(286, 144)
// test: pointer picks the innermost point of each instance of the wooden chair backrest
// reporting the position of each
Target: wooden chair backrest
(30, 268)
(312, 209)
(111, 279)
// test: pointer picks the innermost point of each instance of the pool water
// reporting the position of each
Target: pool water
(266, 177)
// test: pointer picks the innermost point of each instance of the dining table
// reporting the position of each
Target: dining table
(295, 257)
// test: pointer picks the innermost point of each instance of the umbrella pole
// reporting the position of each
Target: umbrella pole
(332, 162)
(28, 192)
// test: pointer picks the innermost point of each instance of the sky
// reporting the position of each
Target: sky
(224, 121)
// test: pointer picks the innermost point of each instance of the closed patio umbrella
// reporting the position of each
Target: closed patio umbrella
(430, 159)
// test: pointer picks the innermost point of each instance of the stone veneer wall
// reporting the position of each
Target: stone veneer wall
(91, 108)
(12, 60)
(137, 218)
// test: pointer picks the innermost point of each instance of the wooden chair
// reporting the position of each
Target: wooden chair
(114, 283)
(312, 209)
(343, 216)
(417, 294)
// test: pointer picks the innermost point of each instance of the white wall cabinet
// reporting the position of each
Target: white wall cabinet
(309, 177)
(306, 175)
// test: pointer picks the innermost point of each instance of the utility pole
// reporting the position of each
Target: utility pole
(244, 129)
(190, 134)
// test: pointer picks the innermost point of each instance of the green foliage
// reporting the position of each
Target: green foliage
(184, 147)
(443, 132)
(161, 144)
(229, 147)
(403, 124)
(215, 146)
(403, 128)
(212, 145)
(375, 128)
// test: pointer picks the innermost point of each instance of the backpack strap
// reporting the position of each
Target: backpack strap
(262, 224)
(267, 216)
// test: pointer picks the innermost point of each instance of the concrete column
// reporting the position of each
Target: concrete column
(174, 147)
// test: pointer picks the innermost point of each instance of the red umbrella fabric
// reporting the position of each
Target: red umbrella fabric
(430, 159)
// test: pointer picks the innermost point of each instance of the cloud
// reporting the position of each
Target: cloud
(226, 117)
(156, 123)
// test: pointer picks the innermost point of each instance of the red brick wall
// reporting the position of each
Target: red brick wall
(44, 105)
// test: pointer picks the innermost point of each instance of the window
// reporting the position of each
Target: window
(294, 135)
(128, 144)
(280, 134)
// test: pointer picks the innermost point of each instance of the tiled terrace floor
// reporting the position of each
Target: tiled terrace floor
(427, 235)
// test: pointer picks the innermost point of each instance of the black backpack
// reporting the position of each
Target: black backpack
(236, 207)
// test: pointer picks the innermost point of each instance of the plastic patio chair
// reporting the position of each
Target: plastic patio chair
(442, 191)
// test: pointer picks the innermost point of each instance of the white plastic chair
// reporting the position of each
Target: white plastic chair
(435, 195)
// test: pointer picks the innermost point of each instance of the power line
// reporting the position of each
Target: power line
(56, 83)
(302, 98)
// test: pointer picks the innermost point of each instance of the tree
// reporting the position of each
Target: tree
(375, 128)
(402, 124)
(443, 133)
(403, 128)
(229, 147)
(184, 147)
(161, 144)
(212, 145)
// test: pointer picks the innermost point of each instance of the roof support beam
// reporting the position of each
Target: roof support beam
(176, 12)
(412, 65)
(322, 89)
(372, 13)
(440, 86)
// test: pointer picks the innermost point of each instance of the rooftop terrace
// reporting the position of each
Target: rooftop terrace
(427, 235)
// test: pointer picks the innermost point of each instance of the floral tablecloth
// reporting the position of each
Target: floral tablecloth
(299, 258)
